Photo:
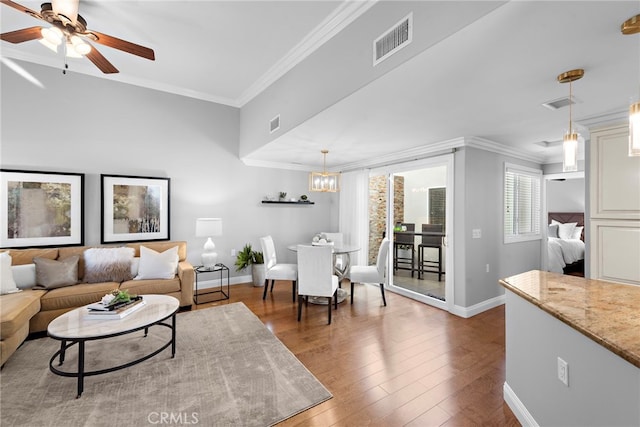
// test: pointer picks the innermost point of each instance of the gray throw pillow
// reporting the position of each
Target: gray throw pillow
(51, 274)
(553, 230)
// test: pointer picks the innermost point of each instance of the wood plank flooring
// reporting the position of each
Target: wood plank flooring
(407, 364)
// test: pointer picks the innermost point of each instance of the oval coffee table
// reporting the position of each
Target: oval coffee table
(74, 327)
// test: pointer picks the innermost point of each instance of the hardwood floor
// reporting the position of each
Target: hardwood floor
(404, 364)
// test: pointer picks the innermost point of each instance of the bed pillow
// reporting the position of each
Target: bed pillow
(553, 230)
(7, 284)
(108, 264)
(51, 274)
(157, 265)
(577, 232)
(565, 231)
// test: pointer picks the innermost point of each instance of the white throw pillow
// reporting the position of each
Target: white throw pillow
(7, 284)
(24, 275)
(154, 265)
(577, 232)
(565, 231)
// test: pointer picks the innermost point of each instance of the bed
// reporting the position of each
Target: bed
(566, 243)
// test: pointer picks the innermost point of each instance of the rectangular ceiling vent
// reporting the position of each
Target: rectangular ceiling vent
(556, 104)
(274, 124)
(397, 37)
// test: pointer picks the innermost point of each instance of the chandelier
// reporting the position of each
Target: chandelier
(324, 181)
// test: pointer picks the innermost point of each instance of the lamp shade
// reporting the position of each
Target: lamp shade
(634, 129)
(206, 227)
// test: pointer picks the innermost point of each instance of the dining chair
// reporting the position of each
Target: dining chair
(315, 276)
(274, 270)
(425, 265)
(338, 240)
(404, 241)
(372, 273)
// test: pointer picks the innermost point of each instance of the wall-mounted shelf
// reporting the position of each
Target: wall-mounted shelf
(277, 202)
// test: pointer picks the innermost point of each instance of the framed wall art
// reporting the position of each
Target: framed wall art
(40, 209)
(134, 208)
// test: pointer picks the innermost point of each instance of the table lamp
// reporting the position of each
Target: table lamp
(207, 227)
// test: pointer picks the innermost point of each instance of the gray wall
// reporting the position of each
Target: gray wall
(565, 196)
(603, 388)
(479, 203)
(93, 126)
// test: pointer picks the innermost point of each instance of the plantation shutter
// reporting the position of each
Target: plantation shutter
(521, 203)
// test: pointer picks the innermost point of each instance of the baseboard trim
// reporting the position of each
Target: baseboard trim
(236, 280)
(467, 312)
(517, 407)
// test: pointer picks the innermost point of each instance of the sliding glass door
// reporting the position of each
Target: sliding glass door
(412, 204)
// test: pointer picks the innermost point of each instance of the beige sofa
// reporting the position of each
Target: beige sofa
(31, 310)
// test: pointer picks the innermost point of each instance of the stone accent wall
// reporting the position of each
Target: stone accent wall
(377, 210)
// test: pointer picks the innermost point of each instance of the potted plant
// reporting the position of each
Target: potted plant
(248, 257)
(283, 196)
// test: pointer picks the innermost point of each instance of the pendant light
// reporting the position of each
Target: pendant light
(327, 182)
(628, 27)
(570, 140)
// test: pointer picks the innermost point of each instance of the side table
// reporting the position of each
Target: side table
(220, 269)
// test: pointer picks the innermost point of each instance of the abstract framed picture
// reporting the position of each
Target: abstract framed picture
(41, 209)
(134, 208)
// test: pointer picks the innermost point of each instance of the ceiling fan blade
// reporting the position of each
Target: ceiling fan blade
(101, 62)
(22, 8)
(24, 35)
(120, 44)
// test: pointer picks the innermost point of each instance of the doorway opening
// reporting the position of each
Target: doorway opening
(416, 219)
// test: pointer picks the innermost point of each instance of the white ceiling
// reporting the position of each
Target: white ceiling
(486, 81)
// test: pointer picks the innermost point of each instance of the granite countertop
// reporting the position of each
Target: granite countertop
(606, 312)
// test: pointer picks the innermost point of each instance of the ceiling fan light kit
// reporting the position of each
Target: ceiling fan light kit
(68, 26)
(570, 139)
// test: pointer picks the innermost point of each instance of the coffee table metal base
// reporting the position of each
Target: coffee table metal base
(81, 373)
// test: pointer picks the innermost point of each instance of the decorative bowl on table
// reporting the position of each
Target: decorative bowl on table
(321, 239)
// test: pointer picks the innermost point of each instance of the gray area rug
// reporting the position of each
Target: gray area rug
(229, 370)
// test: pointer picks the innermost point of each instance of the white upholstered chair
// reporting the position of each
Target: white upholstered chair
(274, 270)
(372, 273)
(315, 276)
(338, 239)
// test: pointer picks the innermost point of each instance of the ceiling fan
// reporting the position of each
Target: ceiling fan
(71, 29)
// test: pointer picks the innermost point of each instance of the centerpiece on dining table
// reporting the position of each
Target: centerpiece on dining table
(321, 239)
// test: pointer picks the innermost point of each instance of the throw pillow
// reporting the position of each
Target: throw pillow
(24, 275)
(154, 265)
(565, 231)
(577, 232)
(107, 264)
(7, 284)
(51, 274)
(553, 230)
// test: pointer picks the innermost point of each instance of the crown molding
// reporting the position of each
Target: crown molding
(610, 118)
(494, 147)
(338, 20)
(275, 165)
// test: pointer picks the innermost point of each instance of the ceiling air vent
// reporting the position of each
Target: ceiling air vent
(274, 124)
(393, 40)
(556, 104)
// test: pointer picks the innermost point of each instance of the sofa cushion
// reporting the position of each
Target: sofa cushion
(152, 286)
(26, 256)
(16, 310)
(161, 247)
(76, 295)
(7, 284)
(107, 264)
(52, 274)
(154, 265)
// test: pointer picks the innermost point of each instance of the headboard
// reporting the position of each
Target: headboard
(565, 217)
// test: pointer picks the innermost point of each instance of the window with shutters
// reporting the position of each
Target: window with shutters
(521, 203)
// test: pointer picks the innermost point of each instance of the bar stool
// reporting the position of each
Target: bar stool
(404, 240)
(425, 265)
